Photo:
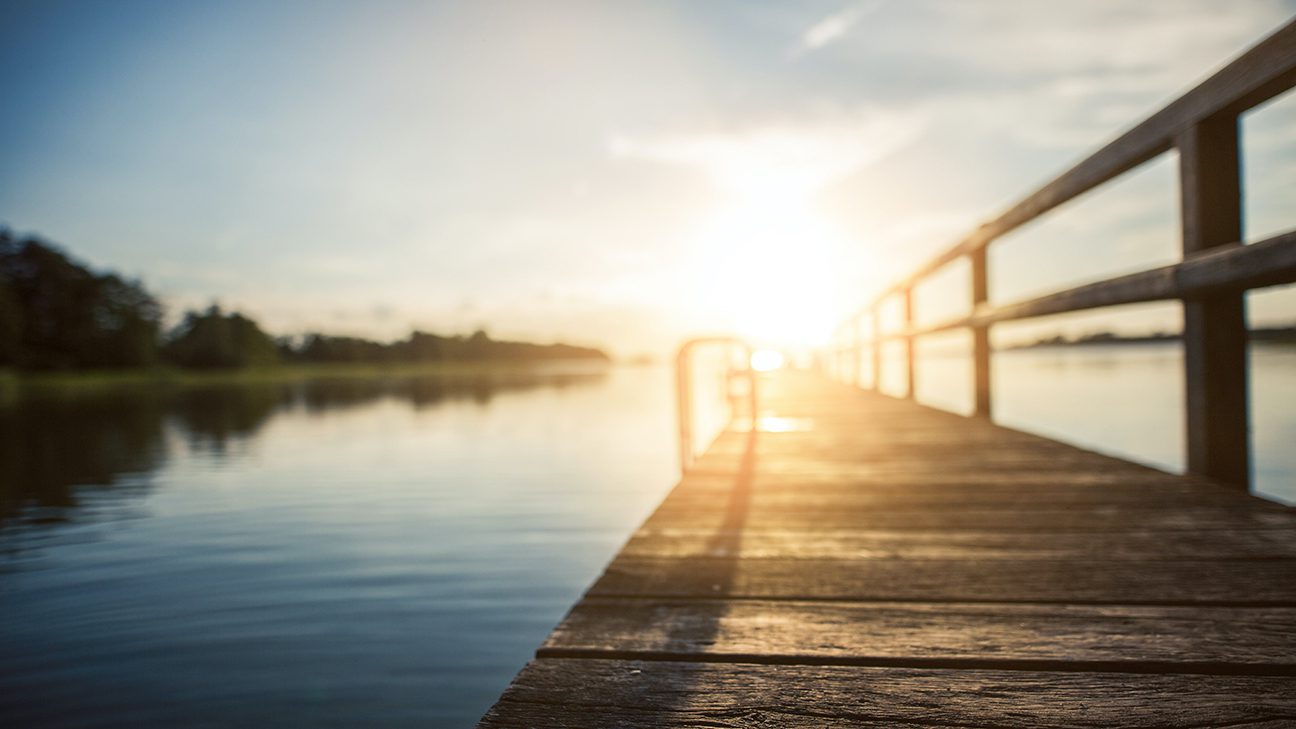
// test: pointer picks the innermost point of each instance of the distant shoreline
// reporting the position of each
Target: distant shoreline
(12, 381)
(1268, 335)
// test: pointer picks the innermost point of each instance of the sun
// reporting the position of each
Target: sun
(766, 255)
(767, 263)
(766, 360)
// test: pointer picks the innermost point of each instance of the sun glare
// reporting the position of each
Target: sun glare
(766, 360)
(766, 254)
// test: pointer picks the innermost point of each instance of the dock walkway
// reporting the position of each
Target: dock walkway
(867, 561)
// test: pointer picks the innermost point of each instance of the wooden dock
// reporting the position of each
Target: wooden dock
(859, 560)
(867, 561)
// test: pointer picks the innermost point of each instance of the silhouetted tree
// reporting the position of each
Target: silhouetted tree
(57, 313)
(10, 325)
(478, 345)
(214, 340)
(323, 348)
(421, 347)
(425, 347)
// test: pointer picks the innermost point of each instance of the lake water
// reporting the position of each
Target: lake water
(370, 553)
(1126, 400)
(335, 554)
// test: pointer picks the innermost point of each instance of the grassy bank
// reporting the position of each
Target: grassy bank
(12, 383)
(8, 386)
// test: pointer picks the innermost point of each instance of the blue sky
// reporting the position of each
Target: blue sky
(616, 173)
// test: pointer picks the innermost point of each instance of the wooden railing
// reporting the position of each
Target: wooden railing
(1211, 281)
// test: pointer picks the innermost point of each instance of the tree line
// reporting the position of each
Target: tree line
(57, 313)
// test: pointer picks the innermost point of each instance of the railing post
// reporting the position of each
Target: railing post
(912, 381)
(877, 348)
(1215, 334)
(684, 407)
(857, 351)
(980, 336)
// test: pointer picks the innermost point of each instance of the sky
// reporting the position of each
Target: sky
(619, 174)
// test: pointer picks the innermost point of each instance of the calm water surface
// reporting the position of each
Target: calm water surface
(390, 553)
(333, 554)
(1126, 400)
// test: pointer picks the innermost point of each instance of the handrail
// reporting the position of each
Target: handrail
(1261, 73)
(1216, 271)
(1269, 262)
(684, 390)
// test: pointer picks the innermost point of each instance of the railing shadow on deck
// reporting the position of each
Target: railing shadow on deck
(727, 538)
(1211, 281)
(725, 541)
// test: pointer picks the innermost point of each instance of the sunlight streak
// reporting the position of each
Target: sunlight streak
(766, 360)
(766, 253)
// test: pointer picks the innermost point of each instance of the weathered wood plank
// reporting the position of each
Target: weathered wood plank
(891, 559)
(631, 694)
(1194, 639)
(1242, 582)
(847, 544)
(888, 493)
(1076, 518)
(920, 473)
(991, 546)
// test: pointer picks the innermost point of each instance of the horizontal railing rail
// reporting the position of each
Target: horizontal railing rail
(1267, 263)
(1210, 281)
(684, 388)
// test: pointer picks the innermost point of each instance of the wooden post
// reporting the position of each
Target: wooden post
(877, 349)
(980, 337)
(1215, 334)
(909, 343)
(684, 407)
(857, 351)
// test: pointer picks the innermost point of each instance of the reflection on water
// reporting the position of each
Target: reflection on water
(60, 441)
(390, 552)
(346, 552)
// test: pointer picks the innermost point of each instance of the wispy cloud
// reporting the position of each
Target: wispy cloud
(832, 28)
(805, 156)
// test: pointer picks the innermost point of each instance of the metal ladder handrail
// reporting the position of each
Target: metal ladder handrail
(684, 390)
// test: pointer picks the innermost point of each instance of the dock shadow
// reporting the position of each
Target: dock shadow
(690, 640)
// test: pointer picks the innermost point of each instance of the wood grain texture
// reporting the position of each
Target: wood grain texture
(920, 550)
(865, 561)
(946, 544)
(789, 631)
(896, 494)
(1242, 582)
(1075, 518)
(632, 694)
(1214, 327)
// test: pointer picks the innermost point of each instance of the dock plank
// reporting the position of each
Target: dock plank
(1238, 582)
(1122, 637)
(865, 561)
(855, 544)
(1077, 518)
(633, 694)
